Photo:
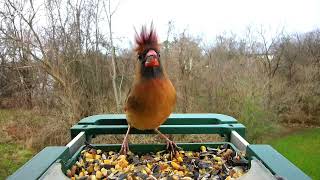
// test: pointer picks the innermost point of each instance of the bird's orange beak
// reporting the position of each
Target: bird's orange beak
(152, 63)
(152, 59)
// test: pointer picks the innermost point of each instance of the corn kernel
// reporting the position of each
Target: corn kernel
(163, 166)
(97, 156)
(96, 167)
(180, 159)
(123, 163)
(81, 174)
(89, 160)
(180, 173)
(144, 171)
(175, 177)
(148, 170)
(113, 170)
(175, 165)
(107, 161)
(117, 166)
(93, 177)
(186, 178)
(104, 171)
(99, 174)
(203, 149)
(177, 154)
(189, 154)
(217, 158)
(89, 156)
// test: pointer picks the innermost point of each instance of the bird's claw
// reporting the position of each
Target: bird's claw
(172, 148)
(124, 148)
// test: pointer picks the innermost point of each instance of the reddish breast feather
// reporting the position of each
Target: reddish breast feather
(153, 94)
(151, 103)
(152, 86)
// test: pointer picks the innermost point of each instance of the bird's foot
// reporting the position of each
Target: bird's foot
(124, 148)
(172, 148)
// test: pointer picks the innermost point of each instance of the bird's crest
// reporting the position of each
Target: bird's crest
(147, 39)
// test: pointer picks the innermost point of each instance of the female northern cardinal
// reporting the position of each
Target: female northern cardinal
(152, 97)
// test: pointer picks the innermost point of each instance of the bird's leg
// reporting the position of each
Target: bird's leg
(125, 145)
(171, 146)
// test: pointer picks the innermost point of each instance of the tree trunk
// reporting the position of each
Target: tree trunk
(114, 72)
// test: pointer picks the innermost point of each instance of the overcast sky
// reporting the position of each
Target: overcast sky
(208, 18)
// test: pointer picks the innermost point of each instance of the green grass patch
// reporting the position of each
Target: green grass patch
(13, 157)
(7, 115)
(302, 149)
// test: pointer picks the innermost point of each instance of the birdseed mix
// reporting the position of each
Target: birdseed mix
(207, 163)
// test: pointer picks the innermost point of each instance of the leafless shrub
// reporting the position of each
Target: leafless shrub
(71, 67)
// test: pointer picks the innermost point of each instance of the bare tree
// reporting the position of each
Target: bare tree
(291, 52)
(167, 43)
(187, 54)
(270, 55)
(116, 88)
(312, 43)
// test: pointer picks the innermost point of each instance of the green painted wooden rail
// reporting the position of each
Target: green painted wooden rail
(176, 124)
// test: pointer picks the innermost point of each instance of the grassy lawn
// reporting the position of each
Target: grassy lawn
(14, 154)
(303, 149)
(13, 157)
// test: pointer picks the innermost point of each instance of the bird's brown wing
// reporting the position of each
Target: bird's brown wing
(133, 103)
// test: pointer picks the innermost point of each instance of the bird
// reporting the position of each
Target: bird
(152, 97)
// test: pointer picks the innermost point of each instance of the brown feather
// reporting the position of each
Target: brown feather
(150, 101)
